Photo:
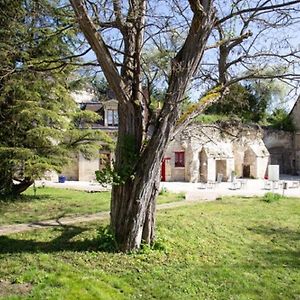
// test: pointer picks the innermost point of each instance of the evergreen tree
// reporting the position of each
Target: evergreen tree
(38, 119)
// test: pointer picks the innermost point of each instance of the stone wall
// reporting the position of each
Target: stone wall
(71, 170)
(297, 152)
(295, 114)
(281, 147)
(176, 173)
(209, 150)
(213, 150)
(87, 168)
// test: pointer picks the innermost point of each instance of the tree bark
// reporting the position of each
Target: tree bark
(19, 188)
(13, 190)
(133, 209)
(138, 156)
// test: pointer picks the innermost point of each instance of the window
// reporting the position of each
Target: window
(112, 117)
(100, 112)
(179, 159)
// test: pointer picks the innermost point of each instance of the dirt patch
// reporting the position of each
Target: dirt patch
(7, 288)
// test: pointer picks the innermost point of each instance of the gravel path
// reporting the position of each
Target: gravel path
(194, 192)
(16, 228)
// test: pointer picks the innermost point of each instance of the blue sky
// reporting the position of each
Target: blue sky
(291, 33)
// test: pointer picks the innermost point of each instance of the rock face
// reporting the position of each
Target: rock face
(282, 151)
(217, 152)
(295, 114)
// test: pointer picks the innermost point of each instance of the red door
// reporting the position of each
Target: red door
(163, 170)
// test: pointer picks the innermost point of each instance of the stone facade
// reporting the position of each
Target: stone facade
(212, 153)
(83, 169)
(284, 147)
(295, 114)
(280, 146)
(204, 152)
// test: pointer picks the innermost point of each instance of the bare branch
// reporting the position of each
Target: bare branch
(256, 9)
(99, 47)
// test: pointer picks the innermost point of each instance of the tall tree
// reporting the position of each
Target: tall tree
(119, 32)
(38, 119)
(252, 101)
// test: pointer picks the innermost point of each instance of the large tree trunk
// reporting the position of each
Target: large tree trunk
(138, 156)
(133, 210)
(133, 202)
(8, 188)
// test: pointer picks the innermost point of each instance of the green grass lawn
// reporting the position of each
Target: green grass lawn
(51, 203)
(234, 248)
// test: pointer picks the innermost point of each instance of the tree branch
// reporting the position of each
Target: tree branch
(195, 109)
(100, 48)
(256, 9)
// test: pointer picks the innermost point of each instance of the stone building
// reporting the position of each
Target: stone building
(295, 114)
(83, 169)
(202, 152)
(280, 146)
(211, 152)
(284, 146)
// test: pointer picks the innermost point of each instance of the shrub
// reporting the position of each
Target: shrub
(163, 191)
(272, 197)
(106, 240)
(281, 120)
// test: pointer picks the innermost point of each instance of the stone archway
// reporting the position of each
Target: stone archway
(221, 168)
(249, 164)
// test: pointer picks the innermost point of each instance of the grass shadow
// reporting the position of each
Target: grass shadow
(104, 242)
(283, 233)
(25, 198)
(283, 246)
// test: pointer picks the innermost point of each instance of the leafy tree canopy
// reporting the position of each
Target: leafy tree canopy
(253, 101)
(38, 118)
(280, 119)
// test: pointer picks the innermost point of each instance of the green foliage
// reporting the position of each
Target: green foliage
(272, 197)
(250, 102)
(240, 102)
(157, 98)
(110, 175)
(260, 99)
(163, 191)
(280, 119)
(158, 245)
(101, 86)
(107, 241)
(233, 103)
(38, 120)
(211, 118)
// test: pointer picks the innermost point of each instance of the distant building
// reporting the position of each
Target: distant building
(200, 153)
(81, 168)
(284, 146)
(210, 153)
(295, 114)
